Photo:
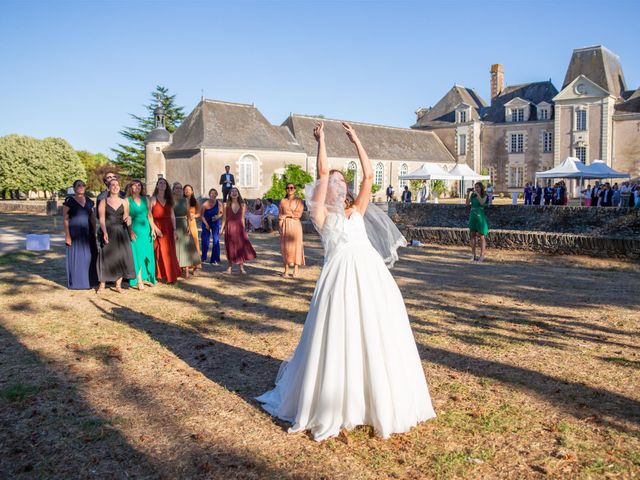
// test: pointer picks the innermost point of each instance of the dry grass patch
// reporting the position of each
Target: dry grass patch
(532, 363)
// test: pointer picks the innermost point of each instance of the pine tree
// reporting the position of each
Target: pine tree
(130, 157)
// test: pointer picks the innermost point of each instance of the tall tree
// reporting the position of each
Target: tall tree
(130, 156)
(27, 163)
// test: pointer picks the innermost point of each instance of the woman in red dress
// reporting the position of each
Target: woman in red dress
(236, 240)
(164, 246)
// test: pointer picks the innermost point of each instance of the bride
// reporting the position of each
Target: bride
(357, 361)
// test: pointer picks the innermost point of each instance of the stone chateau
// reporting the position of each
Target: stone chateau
(525, 128)
(533, 127)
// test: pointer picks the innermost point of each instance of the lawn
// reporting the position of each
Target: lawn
(533, 364)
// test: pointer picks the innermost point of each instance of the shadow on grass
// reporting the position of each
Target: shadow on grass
(578, 399)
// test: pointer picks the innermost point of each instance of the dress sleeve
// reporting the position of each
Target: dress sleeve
(297, 213)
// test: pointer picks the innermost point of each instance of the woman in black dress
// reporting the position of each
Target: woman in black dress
(79, 231)
(115, 260)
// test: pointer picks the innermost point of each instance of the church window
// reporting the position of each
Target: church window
(379, 176)
(462, 144)
(352, 170)
(547, 142)
(581, 119)
(246, 167)
(516, 143)
(404, 169)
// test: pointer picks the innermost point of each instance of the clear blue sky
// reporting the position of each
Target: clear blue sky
(77, 69)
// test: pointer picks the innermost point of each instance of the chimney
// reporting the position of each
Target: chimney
(497, 80)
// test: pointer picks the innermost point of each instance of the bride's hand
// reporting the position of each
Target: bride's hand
(351, 133)
(318, 131)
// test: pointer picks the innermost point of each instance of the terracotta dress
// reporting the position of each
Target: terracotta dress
(164, 247)
(236, 240)
(291, 231)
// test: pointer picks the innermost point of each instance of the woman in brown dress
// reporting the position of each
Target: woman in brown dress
(291, 208)
(236, 241)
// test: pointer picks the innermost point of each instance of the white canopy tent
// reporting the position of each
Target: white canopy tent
(570, 168)
(429, 171)
(600, 169)
(466, 173)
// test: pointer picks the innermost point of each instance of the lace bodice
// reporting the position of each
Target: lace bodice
(339, 231)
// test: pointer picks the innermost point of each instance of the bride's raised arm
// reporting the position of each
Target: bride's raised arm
(318, 211)
(362, 200)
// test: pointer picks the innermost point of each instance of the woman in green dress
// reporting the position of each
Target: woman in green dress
(143, 233)
(188, 256)
(478, 225)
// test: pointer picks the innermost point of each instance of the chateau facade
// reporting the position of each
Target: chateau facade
(533, 127)
(219, 133)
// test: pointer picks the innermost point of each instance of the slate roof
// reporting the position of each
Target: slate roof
(443, 112)
(159, 134)
(217, 124)
(381, 142)
(631, 104)
(534, 92)
(600, 65)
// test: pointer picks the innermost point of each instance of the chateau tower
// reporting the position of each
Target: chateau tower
(157, 140)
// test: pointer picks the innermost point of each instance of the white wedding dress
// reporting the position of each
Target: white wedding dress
(357, 361)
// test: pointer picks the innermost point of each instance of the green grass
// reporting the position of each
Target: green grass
(458, 462)
(18, 392)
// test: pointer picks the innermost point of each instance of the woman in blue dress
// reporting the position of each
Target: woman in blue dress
(79, 230)
(211, 213)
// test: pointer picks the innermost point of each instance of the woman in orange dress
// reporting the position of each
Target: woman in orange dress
(164, 246)
(194, 212)
(291, 208)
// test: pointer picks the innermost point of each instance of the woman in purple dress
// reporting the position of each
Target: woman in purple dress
(236, 240)
(79, 230)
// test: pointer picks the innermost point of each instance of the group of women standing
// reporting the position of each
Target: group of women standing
(144, 239)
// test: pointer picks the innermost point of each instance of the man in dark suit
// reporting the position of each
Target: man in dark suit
(406, 195)
(548, 194)
(227, 181)
(606, 196)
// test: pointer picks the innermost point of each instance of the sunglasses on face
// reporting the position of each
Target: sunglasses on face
(291, 188)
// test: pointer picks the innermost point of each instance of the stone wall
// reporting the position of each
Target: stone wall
(546, 242)
(50, 207)
(595, 221)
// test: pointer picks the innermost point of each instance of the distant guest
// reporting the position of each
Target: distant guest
(528, 194)
(254, 217)
(270, 215)
(79, 229)
(537, 199)
(406, 195)
(226, 181)
(390, 193)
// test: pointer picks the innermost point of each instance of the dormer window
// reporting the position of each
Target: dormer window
(544, 111)
(463, 113)
(517, 115)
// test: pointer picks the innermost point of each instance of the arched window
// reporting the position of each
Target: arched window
(379, 175)
(247, 167)
(404, 169)
(352, 167)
